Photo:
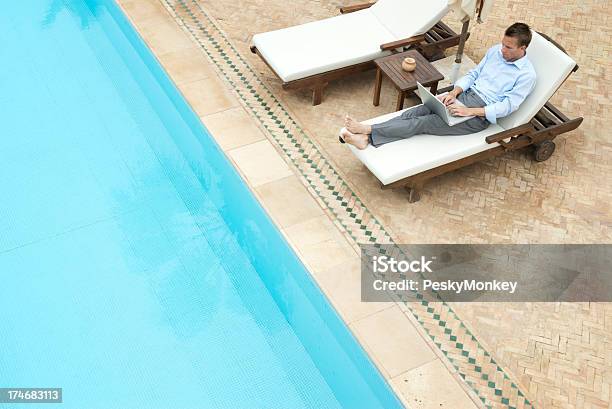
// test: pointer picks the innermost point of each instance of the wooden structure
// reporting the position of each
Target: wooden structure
(431, 45)
(405, 82)
(539, 133)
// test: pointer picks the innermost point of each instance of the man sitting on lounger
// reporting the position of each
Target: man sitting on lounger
(493, 89)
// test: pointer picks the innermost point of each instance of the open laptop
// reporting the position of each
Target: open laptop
(439, 108)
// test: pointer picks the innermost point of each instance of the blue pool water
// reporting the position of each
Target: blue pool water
(137, 270)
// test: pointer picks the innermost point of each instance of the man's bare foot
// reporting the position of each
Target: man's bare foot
(360, 141)
(356, 127)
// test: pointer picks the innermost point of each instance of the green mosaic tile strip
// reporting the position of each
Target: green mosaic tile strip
(473, 363)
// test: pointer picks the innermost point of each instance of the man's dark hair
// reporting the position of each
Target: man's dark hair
(521, 32)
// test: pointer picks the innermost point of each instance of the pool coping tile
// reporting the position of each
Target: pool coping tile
(430, 386)
(207, 96)
(259, 163)
(288, 201)
(386, 332)
(232, 128)
(187, 65)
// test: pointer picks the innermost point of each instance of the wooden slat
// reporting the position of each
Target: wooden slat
(441, 32)
(394, 73)
(543, 119)
(552, 118)
(443, 44)
(556, 129)
(429, 38)
(435, 35)
(537, 124)
(555, 111)
(354, 7)
(446, 28)
(402, 43)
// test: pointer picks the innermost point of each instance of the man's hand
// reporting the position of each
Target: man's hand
(458, 110)
(450, 97)
(447, 99)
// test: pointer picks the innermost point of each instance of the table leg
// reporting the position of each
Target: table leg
(400, 100)
(377, 87)
(434, 88)
(317, 94)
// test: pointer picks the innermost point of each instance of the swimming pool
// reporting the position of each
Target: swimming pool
(137, 269)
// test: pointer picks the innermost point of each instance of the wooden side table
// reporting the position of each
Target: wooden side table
(405, 82)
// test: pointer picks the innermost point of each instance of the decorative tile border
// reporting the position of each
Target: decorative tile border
(472, 362)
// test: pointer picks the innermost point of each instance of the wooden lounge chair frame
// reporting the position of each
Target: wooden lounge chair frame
(431, 45)
(539, 132)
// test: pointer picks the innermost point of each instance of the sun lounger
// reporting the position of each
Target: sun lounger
(411, 162)
(312, 54)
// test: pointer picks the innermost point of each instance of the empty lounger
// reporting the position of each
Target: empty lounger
(410, 162)
(312, 54)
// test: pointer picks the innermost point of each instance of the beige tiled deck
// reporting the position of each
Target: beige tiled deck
(259, 162)
(289, 202)
(207, 96)
(188, 65)
(560, 355)
(389, 332)
(232, 128)
(429, 387)
(341, 283)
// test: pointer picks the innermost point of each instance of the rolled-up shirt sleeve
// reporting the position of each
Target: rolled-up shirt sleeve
(512, 99)
(468, 79)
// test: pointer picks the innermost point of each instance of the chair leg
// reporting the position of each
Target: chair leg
(377, 87)
(414, 195)
(317, 93)
(400, 101)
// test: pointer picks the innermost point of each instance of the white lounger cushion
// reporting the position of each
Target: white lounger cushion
(405, 18)
(320, 46)
(324, 45)
(397, 160)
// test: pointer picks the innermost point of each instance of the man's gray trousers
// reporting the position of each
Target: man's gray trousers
(421, 120)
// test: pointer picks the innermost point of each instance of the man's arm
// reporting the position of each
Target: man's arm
(450, 97)
(465, 82)
(510, 102)
(458, 110)
(512, 99)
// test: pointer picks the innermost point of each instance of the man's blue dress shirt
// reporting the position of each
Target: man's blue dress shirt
(502, 85)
